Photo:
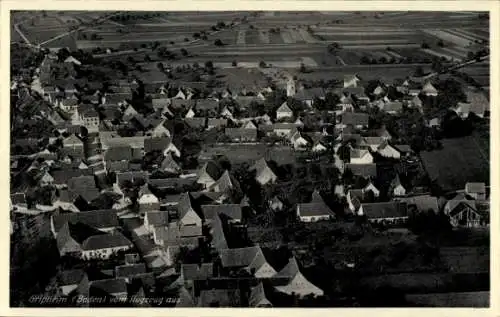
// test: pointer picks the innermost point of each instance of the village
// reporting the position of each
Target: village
(283, 192)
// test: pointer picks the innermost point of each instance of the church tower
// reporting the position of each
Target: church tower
(290, 88)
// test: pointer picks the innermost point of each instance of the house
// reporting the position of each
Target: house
(225, 184)
(275, 204)
(241, 134)
(102, 220)
(129, 112)
(318, 146)
(186, 214)
(231, 212)
(393, 212)
(68, 105)
(196, 123)
(462, 109)
(298, 141)
(429, 90)
(467, 213)
(258, 297)
(351, 81)
(307, 96)
(416, 102)
(226, 113)
(160, 130)
(164, 144)
(249, 259)
(147, 200)
(120, 154)
(190, 114)
(295, 282)
(386, 150)
(378, 91)
(73, 146)
(115, 287)
(249, 125)
(372, 143)
(434, 123)
(220, 298)
(356, 119)
(476, 190)
(403, 149)
(208, 174)
(364, 170)
(216, 123)
(129, 271)
(160, 103)
(479, 104)
(209, 106)
(314, 211)
(282, 129)
(360, 156)
(263, 173)
(423, 203)
(68, 280)
(154, 219)
(284, 112)
(169, 165)
(393, 107)
(397, 188)
(90, 118)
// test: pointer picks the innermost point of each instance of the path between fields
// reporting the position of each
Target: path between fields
(76, 30)
(21, 34)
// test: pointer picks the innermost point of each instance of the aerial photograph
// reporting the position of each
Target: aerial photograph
(163, 159)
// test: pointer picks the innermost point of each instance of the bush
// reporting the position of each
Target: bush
(234, 63)
(425, 45)
(218, 42)
(262, 64)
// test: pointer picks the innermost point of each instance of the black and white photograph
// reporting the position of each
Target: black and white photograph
(256, 159)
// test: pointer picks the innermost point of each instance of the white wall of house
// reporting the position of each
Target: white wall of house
(265, 271)
(300, 286)
(283, 114)
(399, 191)
(103, 253)
(366, 159)
(389, 151)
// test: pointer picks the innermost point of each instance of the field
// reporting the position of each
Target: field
(470, 163)
(463, 299)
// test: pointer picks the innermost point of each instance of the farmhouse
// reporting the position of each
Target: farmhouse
(263, 173)
(467, 213)
(476, 190)
(351, 81)
(295, 282)
(386, 150)
(284, 112)
(429, 90)
(314, 211)
(250, 259)
(359, 156)
(385, 212)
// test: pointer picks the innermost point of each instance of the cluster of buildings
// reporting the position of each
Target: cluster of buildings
(100, 145)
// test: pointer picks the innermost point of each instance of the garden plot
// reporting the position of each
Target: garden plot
(296, 36)
(252, 37)
(275, 38)
(454, 52)
(394, 54)
(484, 34)
(446, 36)
(306, 36)
(440, 53)
(460, 33)
(472, 35)
(240, 38)
(264, 37)
(287, 37)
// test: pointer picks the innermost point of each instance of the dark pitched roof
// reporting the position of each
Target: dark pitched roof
(385, 210)
(105, 241)
(192, 272)
(207, 104)
(364, 170)
(157, 218)
(355, 118)
(241, 133)
(239, 257)
(314, 209)
(118, 153)
(96, 219)
(130, 270)
(70, 277)
(233, 211)
(156, 144)
(109, 286)
(219, 241)
(196, 122)
(220, 298)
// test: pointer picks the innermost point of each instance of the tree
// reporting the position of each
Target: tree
(364, 60)
(440, 43)
(209, 65)
(470, 55)
(218, 42)
(382, 60)
(160, 67)
(184, 52)
(262, 64)
(234, 63)
(419, 71)
(424, 45)
(302, 68)
(147, 58)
